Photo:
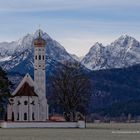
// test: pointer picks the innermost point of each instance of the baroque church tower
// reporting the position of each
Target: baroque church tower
(40, 74)
(39, 65)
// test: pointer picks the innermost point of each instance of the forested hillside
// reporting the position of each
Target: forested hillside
(116, 91)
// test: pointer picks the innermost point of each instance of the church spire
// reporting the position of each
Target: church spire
(39, 33)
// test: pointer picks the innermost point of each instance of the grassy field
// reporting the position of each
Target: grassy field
(92, 132)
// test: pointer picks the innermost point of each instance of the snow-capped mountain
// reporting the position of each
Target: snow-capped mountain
(123, 52)
(17, 56)
(6, 50)
(95, 58)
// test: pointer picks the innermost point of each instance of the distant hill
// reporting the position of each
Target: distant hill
(116, 91)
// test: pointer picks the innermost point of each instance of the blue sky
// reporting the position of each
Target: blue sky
(76, 24)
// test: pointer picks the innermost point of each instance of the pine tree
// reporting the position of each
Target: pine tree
(5, 85)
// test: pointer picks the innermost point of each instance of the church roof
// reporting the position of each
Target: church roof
(26, 90)
(27, 78)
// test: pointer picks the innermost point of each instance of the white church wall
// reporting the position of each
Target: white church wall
(80, 124)
(9, 112)
(23, 108)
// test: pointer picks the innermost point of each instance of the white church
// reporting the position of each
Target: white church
(29, 102)
(28, 107)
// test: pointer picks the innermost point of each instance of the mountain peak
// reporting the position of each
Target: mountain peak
(125, 36)
(97, 44)
(125, 40)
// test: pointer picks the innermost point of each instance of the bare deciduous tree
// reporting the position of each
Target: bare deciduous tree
(71, 89)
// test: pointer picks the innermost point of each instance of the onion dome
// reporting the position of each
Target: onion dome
(39, 41)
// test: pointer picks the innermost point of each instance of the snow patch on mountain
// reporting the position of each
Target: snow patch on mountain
(5, 59)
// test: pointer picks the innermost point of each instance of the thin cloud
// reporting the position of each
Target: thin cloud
(76, 24)
(31, 5)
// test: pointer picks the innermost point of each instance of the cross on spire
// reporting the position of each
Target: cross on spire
(39, 33)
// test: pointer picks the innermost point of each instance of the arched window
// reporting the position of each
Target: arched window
(33, 116)
(25, 116)
(25, 102)
(33, 103)
(18, 103)
(18, 116)
(12, 116)
(39, 57)
(5, 116)
(43, 57)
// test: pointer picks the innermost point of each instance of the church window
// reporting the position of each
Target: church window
(33, 116)
(18, 103)
(12, 116)
(18, 116)
(25, 102)
(11, 100)
(25, 116)
(39, 57)
(33, 102)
